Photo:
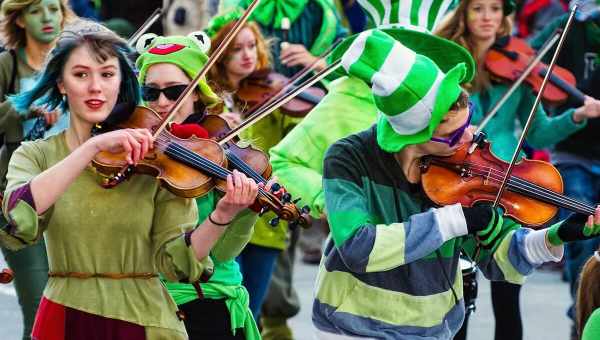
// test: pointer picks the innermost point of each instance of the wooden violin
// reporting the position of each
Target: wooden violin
(186, 167)
(534, 191)
(259, 87)
(509, 57)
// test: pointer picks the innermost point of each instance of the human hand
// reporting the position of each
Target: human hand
(589, 109)
(49, 116)
(484, 222)
(134, 142)
(576, 227)
(241, 192)
(296, 54)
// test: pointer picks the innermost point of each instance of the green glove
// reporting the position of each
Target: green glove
(484, 222)
(572, 229)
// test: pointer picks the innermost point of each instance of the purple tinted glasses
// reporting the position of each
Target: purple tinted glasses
(455, 136)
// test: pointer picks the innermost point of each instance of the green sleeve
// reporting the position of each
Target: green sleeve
(26, 227)
(591, 331)
(542, 36)
(10, 119)
(172, 217)
(298, 159)
(237, 234)
(235, 238)
(546, 131)
(498, 261)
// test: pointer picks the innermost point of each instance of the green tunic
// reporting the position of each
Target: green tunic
(591, 331)
(133, 228)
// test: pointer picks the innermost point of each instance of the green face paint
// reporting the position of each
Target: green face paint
(42, 20)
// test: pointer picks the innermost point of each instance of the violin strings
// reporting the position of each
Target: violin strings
(532, 188)
(553, 197)
(163, 142)
(550, 194)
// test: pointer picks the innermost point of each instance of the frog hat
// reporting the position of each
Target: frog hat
(187, 52)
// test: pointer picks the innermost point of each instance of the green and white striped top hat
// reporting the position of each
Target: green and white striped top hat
(419, 14)
(410, 22)
(411, 92)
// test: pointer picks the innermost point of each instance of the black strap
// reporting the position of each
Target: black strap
(13, 76)
(451, 286)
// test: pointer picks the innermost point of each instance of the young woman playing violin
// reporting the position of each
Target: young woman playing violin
(391, 249)
(29, 30)
(166, 67)
(476, 24)
(105, 247)
(248, 55)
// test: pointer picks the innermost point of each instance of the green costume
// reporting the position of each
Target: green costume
(544, 130)
(591, 331)
(91, 230)
(226, 283)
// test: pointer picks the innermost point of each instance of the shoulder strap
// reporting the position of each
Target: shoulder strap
(13, 76)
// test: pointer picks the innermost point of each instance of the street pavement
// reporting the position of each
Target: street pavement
(544, 300)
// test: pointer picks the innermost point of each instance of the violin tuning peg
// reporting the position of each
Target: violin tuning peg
(274, 222)
(286, 198)
(296, 200)
(263, 211)
(305, 209)
(275, 187)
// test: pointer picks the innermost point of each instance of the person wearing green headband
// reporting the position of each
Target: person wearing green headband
(166, 66)
(29, 29)
(477, 25)
(305, 27)
(391, 248)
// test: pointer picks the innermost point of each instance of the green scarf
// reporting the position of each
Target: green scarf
(273, 11)
(237, 303)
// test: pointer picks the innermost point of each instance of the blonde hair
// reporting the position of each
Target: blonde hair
(12, 35)
(588, 293)
(216, 74)
(454, 27)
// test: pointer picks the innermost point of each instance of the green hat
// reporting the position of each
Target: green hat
(411, 92)
(509, 6)
(217, 22)
(411, 22)
(187, 52)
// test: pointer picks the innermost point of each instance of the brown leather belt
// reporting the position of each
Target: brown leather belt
(115, 276)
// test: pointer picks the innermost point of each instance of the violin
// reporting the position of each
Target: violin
(252, 162)
(534, 191)
(186, 167)
(509, 57)
(262, 85)
(6, 276)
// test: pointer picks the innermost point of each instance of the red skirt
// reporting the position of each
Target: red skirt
(57, 322)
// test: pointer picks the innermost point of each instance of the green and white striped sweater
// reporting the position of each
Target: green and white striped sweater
(384, 270)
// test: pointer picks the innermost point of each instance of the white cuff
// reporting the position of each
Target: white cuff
(536, 250)
(451, 221)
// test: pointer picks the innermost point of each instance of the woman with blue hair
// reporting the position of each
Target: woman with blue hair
(104, 260)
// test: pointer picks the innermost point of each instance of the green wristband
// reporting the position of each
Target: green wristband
(553, 237)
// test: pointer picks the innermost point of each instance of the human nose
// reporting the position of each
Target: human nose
(467, 136)
(95, 86)
(163, 101)
(45, 14)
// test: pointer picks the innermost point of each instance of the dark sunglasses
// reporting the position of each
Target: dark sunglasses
(151, 94)
(457, 134)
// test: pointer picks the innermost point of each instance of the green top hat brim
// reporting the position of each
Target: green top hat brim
(445, 53)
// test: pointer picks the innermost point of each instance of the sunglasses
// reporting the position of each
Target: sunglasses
(151, 94)
(457, 134)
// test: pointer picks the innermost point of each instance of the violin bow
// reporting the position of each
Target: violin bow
(277, 103)
(145, 26)
(291, 82)
(541, 54)
(535, 106)
(209, 63)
